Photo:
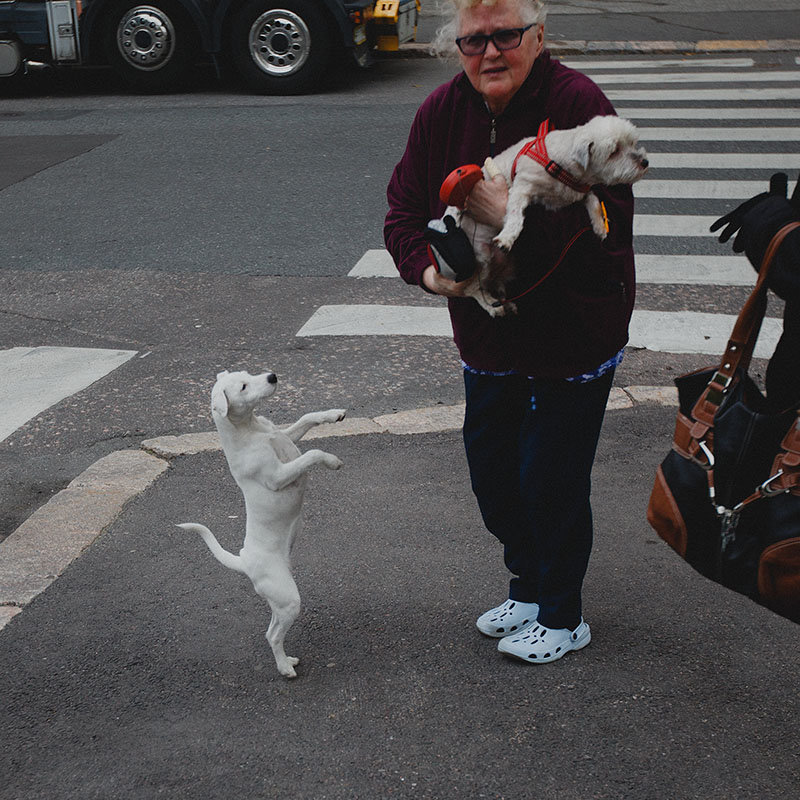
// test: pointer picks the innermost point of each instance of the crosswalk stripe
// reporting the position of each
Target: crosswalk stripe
(738, 113)
(654, 269)
(696, 270)
(663, 63)
(663, 331)
(35, 378)
(695, 332)
(698, 77)
(724, 160)
(786, 134)
(730, 95)
(377, 320)
(671, 225)
(699, 190)
(374, 264)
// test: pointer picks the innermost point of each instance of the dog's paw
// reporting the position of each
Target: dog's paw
(287, 667)
(503, 243)
(337, 414)
(332, 462)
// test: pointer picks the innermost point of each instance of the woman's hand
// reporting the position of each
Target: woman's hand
(444, 286)
(487, 201)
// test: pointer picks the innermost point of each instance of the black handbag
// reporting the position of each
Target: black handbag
(727, 496)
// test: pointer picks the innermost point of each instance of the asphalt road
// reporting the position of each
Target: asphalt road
(202, 230)
(143, 672)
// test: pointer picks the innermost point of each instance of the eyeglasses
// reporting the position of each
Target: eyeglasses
(476, 43)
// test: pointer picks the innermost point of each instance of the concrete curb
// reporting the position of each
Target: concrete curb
(55, 535)
(588, 47)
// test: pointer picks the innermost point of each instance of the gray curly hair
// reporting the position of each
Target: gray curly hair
(532, 12)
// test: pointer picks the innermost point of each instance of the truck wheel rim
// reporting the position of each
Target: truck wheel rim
(146, 38)
(279, 42)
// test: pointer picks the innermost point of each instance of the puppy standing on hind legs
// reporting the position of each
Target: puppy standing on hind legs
(271, 471)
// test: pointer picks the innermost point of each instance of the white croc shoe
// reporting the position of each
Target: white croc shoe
(539, 645)
(508, 618)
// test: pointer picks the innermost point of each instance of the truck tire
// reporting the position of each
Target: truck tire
(281, 46)
(151, 44)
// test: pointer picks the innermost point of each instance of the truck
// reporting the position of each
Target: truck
(275, 46)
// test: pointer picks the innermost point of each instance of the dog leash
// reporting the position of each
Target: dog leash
(537, 150)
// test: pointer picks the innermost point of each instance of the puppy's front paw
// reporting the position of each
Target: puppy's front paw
(599, 228)
(337, 414)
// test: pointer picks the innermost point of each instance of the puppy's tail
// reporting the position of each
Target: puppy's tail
(223, 556)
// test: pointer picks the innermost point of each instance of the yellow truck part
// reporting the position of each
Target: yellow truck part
(395, 22)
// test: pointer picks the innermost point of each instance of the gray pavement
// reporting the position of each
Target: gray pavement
(135, 666)
(143, 672)
(667, 26)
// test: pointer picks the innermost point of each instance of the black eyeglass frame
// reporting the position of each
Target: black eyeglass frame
(490, 37)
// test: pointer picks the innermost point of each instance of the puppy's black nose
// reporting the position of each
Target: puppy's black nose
(645, 163)
(272, 378)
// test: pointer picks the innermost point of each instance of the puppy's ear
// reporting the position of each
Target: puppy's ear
(583, 152)
(219, 400)
(222, 374)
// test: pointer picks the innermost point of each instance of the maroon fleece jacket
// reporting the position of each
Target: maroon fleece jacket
(578, 317)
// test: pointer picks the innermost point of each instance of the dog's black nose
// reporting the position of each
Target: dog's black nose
(272, 378)
(645, 163)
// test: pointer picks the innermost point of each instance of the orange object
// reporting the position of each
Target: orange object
(459, 183)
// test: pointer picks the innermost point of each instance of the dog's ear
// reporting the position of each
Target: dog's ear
(583, 152)
(222, 374)
(219, 400)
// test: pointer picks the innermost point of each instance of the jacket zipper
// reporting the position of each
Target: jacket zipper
(492, 136)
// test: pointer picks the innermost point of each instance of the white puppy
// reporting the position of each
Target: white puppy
(605, 151)
(271, 472)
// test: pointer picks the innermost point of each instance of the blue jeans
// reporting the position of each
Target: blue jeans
(530, 446)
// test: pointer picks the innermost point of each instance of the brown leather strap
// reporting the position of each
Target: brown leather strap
(785, 473)
(743, 339)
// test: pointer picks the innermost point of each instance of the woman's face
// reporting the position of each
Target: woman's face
(497, 74)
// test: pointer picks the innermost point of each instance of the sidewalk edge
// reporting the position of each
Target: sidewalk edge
(589, 47)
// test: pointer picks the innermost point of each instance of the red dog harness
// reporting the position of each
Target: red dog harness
(537, 150)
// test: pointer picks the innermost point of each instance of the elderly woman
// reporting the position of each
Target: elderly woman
(537, 381)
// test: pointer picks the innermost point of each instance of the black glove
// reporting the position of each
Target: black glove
(758, 219)
(733, 219)
(450, 249)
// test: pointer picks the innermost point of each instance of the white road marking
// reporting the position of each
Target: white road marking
(35, 378)
(671, 225)
(728, 95)
(374, 264)
(699, 190)
(664, 63)
(663, 331)
(694, 270)
(695, 332)
(783, 161)
(661, 78)
(738, 113)
(692, 134)
(657, 269)
(377, 320)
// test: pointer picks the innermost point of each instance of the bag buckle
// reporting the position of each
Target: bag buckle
(709, 462)
(766, 489)
(718, 387)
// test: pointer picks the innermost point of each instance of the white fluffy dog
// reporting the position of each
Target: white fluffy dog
(605, 151)
(271, 472)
